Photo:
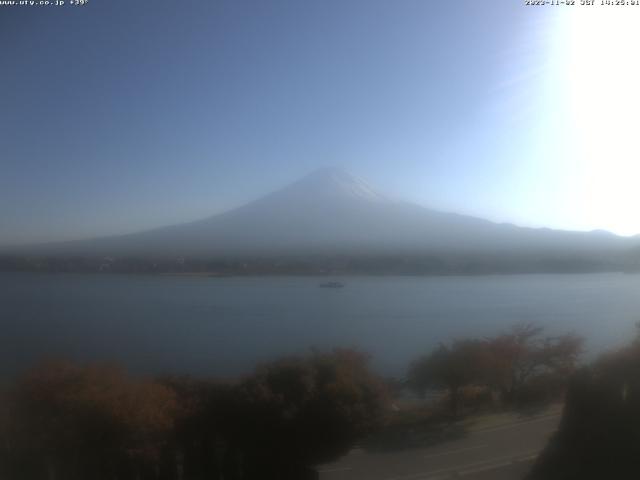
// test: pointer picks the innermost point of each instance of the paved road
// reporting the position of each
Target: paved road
(503, 452)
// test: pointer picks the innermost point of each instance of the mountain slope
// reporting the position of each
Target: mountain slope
(332, 212)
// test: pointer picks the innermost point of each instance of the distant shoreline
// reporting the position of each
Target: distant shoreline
(318, 274)
(195, 274)
(427, 264)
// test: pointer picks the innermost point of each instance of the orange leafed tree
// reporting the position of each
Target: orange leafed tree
(73, 422)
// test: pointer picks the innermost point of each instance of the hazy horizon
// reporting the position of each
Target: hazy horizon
(264, 195)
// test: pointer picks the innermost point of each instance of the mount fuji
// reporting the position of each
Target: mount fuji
(332, 212)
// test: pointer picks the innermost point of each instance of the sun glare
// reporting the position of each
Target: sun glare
(601, 75)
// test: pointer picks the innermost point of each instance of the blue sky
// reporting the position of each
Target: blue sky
(120, 116)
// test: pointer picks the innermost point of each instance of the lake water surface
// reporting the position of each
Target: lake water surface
(223, 326)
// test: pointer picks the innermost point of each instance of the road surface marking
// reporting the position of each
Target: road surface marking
(516, 424)
(500, 461)
(336, 469)
(449, 452)
(471, 471)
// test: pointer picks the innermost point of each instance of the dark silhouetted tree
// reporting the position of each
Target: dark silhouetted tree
(450, 366)
(599, 434)
(299, 412)
(206, 420)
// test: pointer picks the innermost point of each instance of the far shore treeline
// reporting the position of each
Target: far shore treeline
(436, 263)
(66, 421)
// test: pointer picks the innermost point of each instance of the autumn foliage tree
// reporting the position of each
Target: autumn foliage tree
(521, 360)
(451, 367)
(524, 354)
(63, 421)
(70, 422)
